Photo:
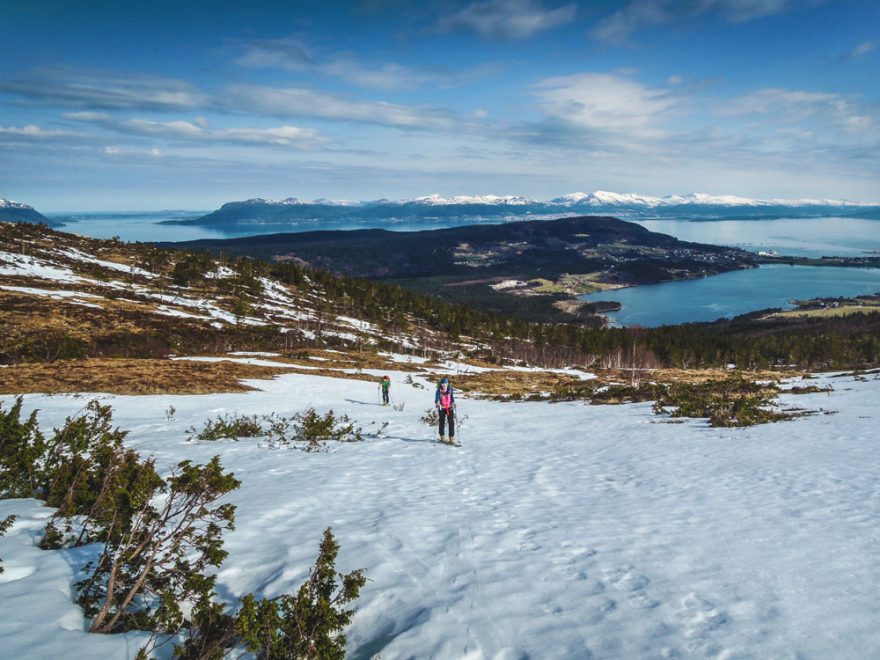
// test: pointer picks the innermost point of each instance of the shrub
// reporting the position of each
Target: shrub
(162, 537)
(308, 427)
(92, 480)
(726, 403)
(22, 447)
(155, 561)
(575, 392)
(310, 624)
(614, 394)
(232, 427)
(430, 418)
(312, 428)
(5, 524)
(808, 389)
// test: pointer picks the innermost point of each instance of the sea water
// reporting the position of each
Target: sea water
(734, 293)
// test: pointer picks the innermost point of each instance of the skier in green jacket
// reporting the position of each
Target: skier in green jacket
(385, 384)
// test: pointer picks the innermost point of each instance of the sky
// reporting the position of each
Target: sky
(169, 105)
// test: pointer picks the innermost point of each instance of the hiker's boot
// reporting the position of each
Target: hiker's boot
(443, 439)
(451, 439)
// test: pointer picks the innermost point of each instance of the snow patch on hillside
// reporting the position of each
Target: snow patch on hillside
(73, 253)
(73, 297)
(27, 266)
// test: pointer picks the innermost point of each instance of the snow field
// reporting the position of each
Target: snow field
(555, 531)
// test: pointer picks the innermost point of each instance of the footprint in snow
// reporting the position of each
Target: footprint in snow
(701, 617)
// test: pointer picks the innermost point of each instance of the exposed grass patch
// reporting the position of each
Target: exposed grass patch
(510, 385)
(843, 310)
(611, 386)
(130, 376)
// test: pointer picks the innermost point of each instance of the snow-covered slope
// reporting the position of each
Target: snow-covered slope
(555, 531)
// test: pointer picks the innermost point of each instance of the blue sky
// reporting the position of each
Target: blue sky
(122, 106)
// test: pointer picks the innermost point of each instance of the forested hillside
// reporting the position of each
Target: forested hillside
(65, 296)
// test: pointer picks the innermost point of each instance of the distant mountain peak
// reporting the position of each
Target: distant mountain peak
(10, 204)
(436, 199)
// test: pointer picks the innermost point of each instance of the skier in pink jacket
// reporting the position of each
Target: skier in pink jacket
(444, 401)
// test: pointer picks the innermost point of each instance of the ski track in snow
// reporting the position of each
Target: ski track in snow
(555, 531)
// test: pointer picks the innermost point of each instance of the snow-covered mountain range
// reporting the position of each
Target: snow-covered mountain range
(477, 208)
(599, 198)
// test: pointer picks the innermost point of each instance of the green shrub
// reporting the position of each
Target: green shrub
(162, 538)
(727, 403)
(576, 392)
(614, 394)
(91, 478)
(314, 429)
(153, 564)
(310, 624)
(5, 524)
(230, 426)
(22, 447)
(309, 427)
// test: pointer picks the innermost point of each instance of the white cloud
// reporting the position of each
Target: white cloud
(33, 131)
(198, 131)
(104, 90)
(166, 128)
(279, 135)
(605, 104)
(619, 27)
(862, 49)
(304, 102)
(86, 115)
(786, 106)
(509, 19)
(296, 55)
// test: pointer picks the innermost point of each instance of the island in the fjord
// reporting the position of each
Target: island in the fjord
(533, 269)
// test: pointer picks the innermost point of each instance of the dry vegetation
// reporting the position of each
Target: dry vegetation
(843, 310)
(162, 376)
(124, 376)
(525, 384)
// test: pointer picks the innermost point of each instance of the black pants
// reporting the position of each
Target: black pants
(443, 414)
(384, 395)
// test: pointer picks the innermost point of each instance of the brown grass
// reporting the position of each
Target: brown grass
(825, 312)
(124, 376)
(692, 375)
(523, 384)
(145, 376)
(508, 383)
